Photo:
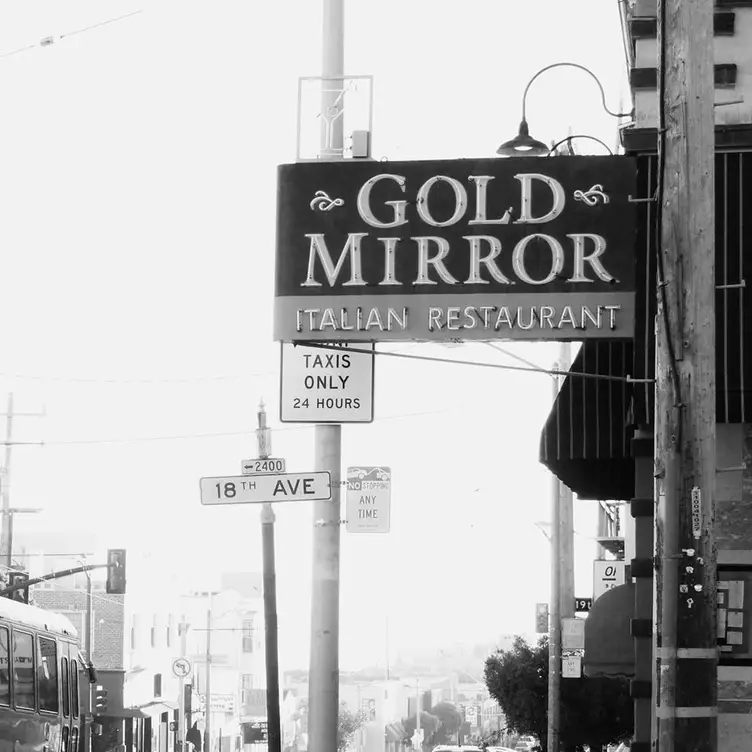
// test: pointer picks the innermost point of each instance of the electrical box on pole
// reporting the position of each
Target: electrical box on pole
(116, 571)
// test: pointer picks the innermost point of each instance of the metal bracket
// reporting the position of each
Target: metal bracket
(742, 284)
(630, 380)
(633, 200)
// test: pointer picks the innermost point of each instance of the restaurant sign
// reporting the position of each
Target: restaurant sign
(522, 248)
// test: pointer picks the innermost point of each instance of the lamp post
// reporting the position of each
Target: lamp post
(523, 144)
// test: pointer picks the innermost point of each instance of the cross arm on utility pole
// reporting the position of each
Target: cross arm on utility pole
(52, 576)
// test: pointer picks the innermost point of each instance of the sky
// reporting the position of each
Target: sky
(138, 156)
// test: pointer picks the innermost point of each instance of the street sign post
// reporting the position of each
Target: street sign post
(368, 499)
(583, 605)
(326, 385)
(260, 489)
(262, 466)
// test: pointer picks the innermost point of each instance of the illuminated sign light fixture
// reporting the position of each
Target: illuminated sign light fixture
(523, 144)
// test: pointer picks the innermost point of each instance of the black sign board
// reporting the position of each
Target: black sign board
(255, 732)
(522, 248)
(583, 605)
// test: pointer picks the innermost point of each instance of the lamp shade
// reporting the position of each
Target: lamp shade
(522, 145)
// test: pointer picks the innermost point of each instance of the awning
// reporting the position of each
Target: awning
(586, 439)
(609, 646)
(394, 732)
(148, 710)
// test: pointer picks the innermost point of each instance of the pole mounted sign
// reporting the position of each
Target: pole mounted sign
(368, 499)
(519, 248)
(260, 489)
(320, 385)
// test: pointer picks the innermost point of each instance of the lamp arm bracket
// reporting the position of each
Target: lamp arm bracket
(583, 68)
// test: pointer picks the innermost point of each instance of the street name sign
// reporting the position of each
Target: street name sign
(262, 466)
(607, 574)
(260, 489)
(326, 385)
(583, 605)
(369, 491)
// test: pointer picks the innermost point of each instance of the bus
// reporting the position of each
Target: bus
(40, 661)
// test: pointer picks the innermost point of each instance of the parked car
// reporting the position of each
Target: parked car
(525, 744)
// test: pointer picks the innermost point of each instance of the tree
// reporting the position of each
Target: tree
(348, 724)
(450, 720)
(595, 712)
(428, 722)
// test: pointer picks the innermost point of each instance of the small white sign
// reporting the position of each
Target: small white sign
(571, 667)
(696, 513)
(369, 491)
(262, 466)
(607, 574)
(181, 667)
(572, 634)
(326, 385)
(259, 489)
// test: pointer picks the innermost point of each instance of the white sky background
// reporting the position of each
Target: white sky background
(137, 186)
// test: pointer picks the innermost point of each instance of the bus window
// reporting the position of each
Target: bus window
(23, 670)
(4, 670)
(74, 686)
(74, 739)
(47, 674)
(66, 687)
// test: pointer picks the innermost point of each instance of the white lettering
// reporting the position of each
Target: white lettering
(318, 249)
(398, 207)
(494, 244)
(460, 201)
(580, 258)
(526, 198)
(481, 185)
(390, 247)
(557, 259)
(436, 261)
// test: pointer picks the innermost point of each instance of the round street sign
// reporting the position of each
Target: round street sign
(181, 667)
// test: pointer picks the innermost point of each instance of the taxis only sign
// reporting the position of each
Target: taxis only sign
(326, 384)
(261, 489)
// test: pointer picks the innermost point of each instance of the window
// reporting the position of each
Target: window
(74, 686)
(246, 685)
(154, 629)
(74, 740)
(47, 674)
(170, 629)
(66, 686)
(23, 670)
(4, 670)
(157, 685)
(66, 735)
(247, 635)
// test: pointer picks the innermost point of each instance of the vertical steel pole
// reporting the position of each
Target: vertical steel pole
(324, 662)
(183, 627)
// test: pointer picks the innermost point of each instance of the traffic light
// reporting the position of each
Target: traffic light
(541, 618)
(100, 701)
(16, 578)
(116, 571)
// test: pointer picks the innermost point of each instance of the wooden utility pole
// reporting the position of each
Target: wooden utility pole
(685, 383)
(274, 727)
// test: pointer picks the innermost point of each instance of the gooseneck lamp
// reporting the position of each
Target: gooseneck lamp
(523, 144)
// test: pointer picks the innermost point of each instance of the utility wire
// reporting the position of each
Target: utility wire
(47, 41)
(186, 380)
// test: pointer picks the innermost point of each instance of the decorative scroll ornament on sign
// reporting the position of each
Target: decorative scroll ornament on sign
(324, 202)
(592, 197)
